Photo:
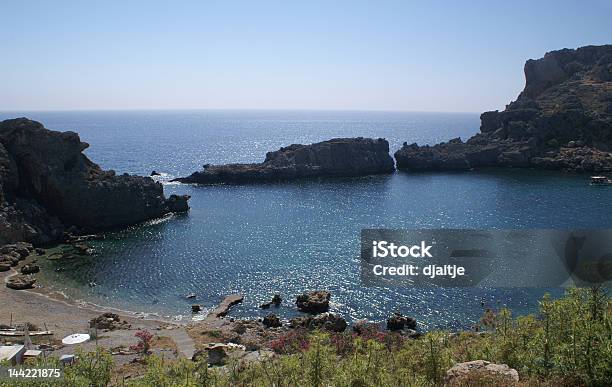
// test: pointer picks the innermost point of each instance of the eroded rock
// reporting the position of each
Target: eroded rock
(566, 101)
(47, 186)
(333, 158)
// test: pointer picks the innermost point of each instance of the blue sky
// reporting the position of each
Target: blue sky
(357, 55)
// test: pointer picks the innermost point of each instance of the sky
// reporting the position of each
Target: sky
(340, 55)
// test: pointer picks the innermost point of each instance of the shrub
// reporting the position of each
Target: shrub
(293, 341)
(144, 342)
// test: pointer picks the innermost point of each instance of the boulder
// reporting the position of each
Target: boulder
(276, 301)
(20, 282)
(329, 321)
(398, 322)
(109, 321)
(178, 203)
(82, 248)
(326, 321)
(4, 266)
(339, 157)
(195, 308)
(363, 327)
(11, 259)
(272, 321)
(313, 302)
(30, 269)
(20, 249)
(219, 353)
(462, 373)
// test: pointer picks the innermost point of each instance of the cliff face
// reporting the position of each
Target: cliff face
(337, 157)
(561, 120)
(48, 185)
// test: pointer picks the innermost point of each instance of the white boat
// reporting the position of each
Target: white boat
(600, 180)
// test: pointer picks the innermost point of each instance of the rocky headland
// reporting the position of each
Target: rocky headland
(340, 157)
(562, 120)
(48, 186)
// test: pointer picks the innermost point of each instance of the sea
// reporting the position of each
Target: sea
(286, 238)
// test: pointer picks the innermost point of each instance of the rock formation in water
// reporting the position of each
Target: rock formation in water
(47, 186)
(337, 157)
(561, 120)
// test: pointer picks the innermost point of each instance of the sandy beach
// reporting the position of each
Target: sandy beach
(64, 318)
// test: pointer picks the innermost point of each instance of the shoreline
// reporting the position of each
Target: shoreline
(35, 305)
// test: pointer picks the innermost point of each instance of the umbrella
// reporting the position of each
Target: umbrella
(77, 338)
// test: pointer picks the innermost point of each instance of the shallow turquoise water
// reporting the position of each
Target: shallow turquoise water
(289, 237)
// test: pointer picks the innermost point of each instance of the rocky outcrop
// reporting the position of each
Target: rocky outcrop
(398, 322)
(276, 301)
(469, 373)
(333, 158)
(313, 302)
(272, 321)
(561, 120)
(47, 185)
(224, 307)
(326, 321)
(11, 255)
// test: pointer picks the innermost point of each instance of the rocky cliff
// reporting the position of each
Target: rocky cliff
(561, 120)
(47, 185)
(336, 157)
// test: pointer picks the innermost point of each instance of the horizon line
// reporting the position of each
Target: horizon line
(230, 109)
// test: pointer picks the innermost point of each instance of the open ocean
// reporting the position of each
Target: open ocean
(289, 237)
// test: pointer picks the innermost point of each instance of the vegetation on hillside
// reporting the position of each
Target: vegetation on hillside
(569, 342)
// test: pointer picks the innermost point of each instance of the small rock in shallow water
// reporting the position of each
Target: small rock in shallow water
(276, 300)
(178, 203)
(82, 248)
(195, 308)
(313, 302)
